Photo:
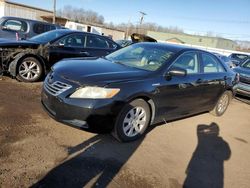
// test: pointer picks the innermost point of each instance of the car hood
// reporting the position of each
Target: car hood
(5, 43)
(242, 70)
(96, 71)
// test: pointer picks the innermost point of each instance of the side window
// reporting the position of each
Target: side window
(211, 64)
(96, 42)
(74, 40)
(187, 61)
(16, 25)
(38, 28)
(41, 28)
(112, 45)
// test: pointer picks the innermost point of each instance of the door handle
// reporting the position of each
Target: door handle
(84, 53)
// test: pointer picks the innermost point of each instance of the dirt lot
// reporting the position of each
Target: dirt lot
(39, 152)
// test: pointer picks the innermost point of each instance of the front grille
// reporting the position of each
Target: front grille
(56, 88)
(245, 79)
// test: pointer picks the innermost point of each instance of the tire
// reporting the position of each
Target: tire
(29, 70)
(127, 128)
(222, 104)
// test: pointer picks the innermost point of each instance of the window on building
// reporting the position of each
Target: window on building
(15, 25)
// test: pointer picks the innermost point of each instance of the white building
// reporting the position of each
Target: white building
(97, 29)
(8, 8)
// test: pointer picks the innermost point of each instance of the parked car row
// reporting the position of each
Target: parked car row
(239, 63)
(94, 84)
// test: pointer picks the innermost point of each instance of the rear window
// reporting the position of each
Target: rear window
(41, 28)
(15, 25)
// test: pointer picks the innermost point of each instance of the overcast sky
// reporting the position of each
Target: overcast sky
(227, 18)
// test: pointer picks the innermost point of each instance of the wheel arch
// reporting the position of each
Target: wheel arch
(149, 101)
(13, 66)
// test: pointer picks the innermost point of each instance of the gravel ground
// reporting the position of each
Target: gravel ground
(200, 151)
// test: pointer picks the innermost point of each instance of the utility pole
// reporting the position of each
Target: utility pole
(141, 19)
(54, 12)
(142, 16)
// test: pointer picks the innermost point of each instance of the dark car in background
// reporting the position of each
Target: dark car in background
(29, 60)
(243, 87)
(139, 85)
(20, 28)
(238, 58)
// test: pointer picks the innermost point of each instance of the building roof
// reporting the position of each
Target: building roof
(27, 6)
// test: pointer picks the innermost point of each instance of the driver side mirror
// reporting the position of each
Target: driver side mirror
(59, 45)
(175, 72)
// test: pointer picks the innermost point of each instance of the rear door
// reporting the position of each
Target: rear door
(98, 46)
(181, 95)
(69, 46)
(214, 82)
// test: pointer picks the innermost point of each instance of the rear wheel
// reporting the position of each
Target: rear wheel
(222, 104)
(132, 121)
(29, 70)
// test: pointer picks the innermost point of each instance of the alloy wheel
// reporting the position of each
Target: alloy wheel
(134, 121)
(223, 103)
(29, 70)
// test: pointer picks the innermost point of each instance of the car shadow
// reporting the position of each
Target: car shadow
(93, 163)
(206, 167)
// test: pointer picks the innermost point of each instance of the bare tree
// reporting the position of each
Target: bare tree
(80, 15)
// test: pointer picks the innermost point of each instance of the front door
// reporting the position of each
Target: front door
(181, 95)
(68, 47)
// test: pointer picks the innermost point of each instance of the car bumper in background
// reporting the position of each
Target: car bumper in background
(243, 89)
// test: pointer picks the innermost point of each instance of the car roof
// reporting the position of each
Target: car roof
(173, 47)
(25, 19)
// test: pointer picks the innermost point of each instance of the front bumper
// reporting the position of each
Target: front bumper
(243, 89)
(87, 114)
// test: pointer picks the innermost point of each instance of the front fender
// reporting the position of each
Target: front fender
(13, 64)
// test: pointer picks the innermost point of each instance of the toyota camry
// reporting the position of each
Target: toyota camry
(137, 86)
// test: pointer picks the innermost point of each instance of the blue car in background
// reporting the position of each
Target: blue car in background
(243, 87)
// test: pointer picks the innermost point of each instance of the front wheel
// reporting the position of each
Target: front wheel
(29, 70)
(222, 104)
(132, 121)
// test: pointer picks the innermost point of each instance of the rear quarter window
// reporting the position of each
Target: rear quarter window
(211, 64)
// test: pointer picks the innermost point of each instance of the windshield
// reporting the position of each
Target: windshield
(246, 64)
(142, 56)
(48, 36)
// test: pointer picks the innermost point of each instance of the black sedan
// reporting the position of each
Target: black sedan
(29, 60)
(243, 87)
(139, 85)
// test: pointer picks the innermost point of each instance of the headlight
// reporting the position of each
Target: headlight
(95, 93)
